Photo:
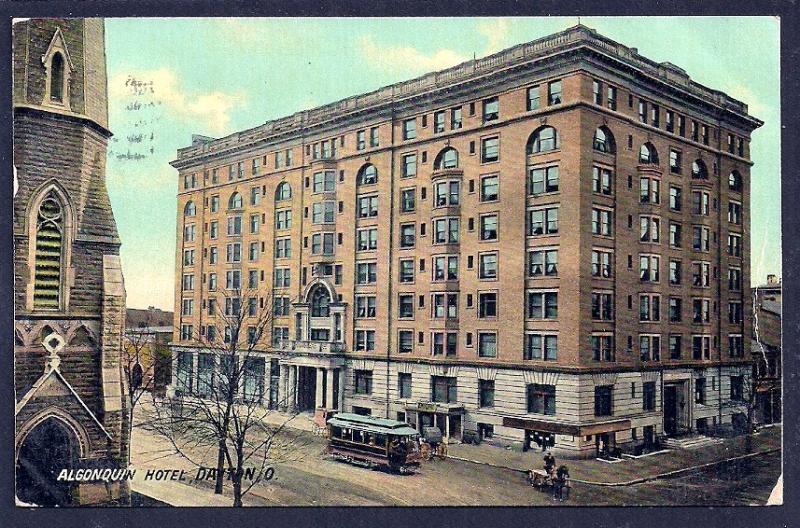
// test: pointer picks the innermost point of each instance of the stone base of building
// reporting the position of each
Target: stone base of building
(643, 408)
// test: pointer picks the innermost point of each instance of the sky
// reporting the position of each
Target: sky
(171, 78)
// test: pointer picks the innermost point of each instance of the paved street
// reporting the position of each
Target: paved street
(310, 478)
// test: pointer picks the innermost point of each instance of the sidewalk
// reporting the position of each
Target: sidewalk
(593, 471)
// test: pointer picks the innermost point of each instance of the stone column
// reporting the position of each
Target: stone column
(329, 403)
(320, 382)
(284, 374)
(193, 378)
(341, 389)
(291, 390)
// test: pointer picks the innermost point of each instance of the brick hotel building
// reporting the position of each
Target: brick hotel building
(549, 244)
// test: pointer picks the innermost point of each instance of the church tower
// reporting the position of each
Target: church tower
(69, 295)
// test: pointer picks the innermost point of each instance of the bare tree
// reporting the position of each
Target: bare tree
(223, 412)
(143, 358)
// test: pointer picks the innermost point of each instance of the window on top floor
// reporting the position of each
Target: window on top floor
(410, 129)
(491, 109)
(554, 93)
(533, 99)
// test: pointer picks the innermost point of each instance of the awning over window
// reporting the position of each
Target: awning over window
(566, 428)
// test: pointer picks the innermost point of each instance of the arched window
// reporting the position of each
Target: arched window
(190, 209)
(320, 302)
(235, 201)
(735, 181)
(447, 159)
(699, 170)
(367, 175)
(57, 78)
(542, 140)
(648, 154)
(49, 254)
(604, 141)
(283, 191)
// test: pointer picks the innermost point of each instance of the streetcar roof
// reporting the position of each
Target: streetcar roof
(370, 423)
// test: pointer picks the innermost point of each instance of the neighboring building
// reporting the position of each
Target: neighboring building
(766, 349)
(69, 296)
(540, 245)
(152, 316)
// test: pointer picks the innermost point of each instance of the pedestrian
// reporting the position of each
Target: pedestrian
(560, 483)
(549, 463)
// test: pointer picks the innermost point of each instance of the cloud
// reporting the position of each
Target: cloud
(745, 94)
(399, 59)
(209, 109)
(496, 32)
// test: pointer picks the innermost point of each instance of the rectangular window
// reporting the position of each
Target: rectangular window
(404, 384)
(649, 229)
(446, 193)
(406, 270)
(234, 252)
(602, 264)
(405, 345)
(445, 268)
(533, 98)
(670, 121)
(737, 388)
(542, 399)
(602, 306)
(700, 238)
(487, 265)
(601, 222)
(373, 137)
(367, 206)
(554, 93)
(735, 346)
(701, 347)
(367, 239)
(601, 180)
(700, 391)
(649, 190)
(611, 94)
(324, 181)
(675, 346)
(543, 263)
(604, 400)
(675, 272)
(543, 180)
(490, 149)
(443, 389)
(234, 225)
(490, 188)
(489, 227)
(408, 200)
(487, 305)
(649, 396)
(362, 382)
(701, 311)
(649, 307)
(491, 109)
(365, 306)
(487, 344)
(366, 273)
(649, 268)
(735, 213)
(486, 393)
(675, 198)
(409, 165)
(409, 129)
(597, 92)
(603, 347)
(675, 309)
(446, 230)
(542, 305)
(455, 118)
(735, 279)
(438, 122)
(364, 340)
(543, 221)
(643, 111)
(675, 161)
(408, 235)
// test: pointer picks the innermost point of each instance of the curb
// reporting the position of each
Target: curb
(634, 481)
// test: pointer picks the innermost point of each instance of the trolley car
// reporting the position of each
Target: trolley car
(373, 442)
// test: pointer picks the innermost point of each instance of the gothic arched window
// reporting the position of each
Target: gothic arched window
(57, 78)
(49, 256)
(320, 302)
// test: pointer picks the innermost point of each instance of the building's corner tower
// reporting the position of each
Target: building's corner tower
(69, 295)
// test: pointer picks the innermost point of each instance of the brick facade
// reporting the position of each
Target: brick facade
(339, 138)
